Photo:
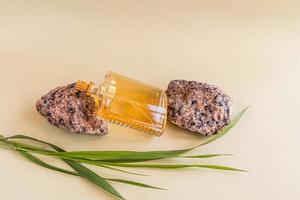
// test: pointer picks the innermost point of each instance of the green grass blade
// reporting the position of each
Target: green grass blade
(122, 156)
(36, 140)
(158, 166)
(175, 166)
(24, 147)
(114, 158)
(83, 171)
(205, 156)
(2, 137)
(39, 162)
(225, 129)
(131, 156)
(121, 170)
(219, 167)
(134, 183)
(94, 178)
(59, 153)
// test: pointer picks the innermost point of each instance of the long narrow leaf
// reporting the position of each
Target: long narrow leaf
(59, 154)
(111, 159)
(38, 161)
(121, 170)
(158, 166)
(87, 173)
(134, 183)
(121, 156)
(131, 156)
(206, 156)
(225, 129)
(95, 178)
(175, 166)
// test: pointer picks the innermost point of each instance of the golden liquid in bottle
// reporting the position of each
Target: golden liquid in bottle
(127, 102)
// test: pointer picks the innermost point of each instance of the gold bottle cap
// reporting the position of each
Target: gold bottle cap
(88, 89)
(85, 87)
(82, 86)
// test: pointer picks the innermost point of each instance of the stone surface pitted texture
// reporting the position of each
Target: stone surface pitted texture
(69, 109)
(198, 107)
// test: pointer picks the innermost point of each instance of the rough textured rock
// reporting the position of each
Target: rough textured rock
(198, 107)
(67, 108)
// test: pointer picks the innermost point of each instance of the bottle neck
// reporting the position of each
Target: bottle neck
(88, 88)
(102, 95)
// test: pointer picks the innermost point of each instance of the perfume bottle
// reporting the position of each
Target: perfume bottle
(128, 102)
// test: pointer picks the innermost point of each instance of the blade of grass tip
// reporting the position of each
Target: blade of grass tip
(134, 183)
(121, 170)
(60, 150)
(220, 134)
(176, 166)
(41, 163)
(206, 156)
(219, 167)
(84, 171)
(225, 129)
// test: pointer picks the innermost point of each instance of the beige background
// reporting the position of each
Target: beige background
(248, 48)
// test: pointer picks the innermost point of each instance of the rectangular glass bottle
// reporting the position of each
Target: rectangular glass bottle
(131, 103)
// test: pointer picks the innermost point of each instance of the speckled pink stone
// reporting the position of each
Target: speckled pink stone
(198, 107)
(69, 109)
